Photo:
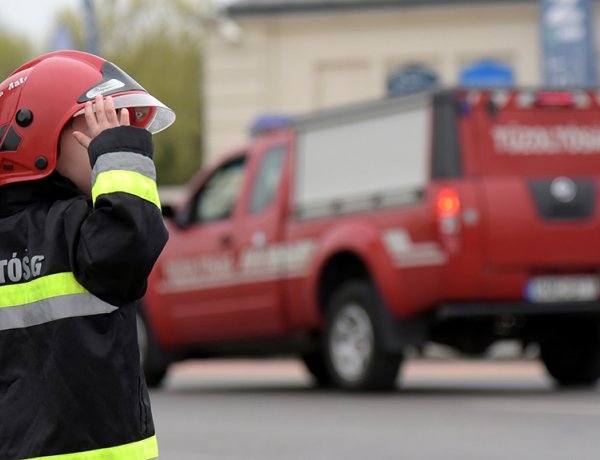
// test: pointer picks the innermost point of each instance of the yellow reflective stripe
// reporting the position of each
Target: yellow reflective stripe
(39, 289)
(140, 450)
(130, 182)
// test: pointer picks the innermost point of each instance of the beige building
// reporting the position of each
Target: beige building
(296, 56)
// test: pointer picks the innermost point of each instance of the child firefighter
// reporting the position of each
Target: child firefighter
(80, 229)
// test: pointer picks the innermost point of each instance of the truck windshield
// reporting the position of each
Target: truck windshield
(217, 197)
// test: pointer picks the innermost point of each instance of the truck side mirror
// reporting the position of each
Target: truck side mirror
(178, 218)
(168, 212)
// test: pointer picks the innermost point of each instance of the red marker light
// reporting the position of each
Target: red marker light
(448, 203)
(555, 98)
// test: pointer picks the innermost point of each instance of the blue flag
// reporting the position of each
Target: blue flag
(91, 31)
(569, 59)
(62, 39)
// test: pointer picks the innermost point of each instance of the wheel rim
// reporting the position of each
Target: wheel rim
(351, 342)
(142, 336)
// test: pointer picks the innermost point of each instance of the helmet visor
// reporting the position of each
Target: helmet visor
(145, 111)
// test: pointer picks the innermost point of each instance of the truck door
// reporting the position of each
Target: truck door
(199, 263)
(259, 236)
(538, 158)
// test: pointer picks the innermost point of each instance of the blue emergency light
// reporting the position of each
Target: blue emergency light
(487, 73)
(269, 122)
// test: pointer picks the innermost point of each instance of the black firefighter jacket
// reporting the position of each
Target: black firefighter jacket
(71, 271)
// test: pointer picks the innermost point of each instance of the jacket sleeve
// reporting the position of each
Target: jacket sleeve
(123, 235)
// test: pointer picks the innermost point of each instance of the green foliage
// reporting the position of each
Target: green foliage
(170, 71)
(159, 44)
(14, 51)
(73, 21)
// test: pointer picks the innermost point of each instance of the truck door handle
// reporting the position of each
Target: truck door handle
(226, 241)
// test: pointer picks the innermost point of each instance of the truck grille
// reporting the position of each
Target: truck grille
(564, 198)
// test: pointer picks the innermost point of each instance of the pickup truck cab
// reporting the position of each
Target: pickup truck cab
(459, 217)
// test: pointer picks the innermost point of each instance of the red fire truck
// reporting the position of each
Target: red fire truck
(459, 217)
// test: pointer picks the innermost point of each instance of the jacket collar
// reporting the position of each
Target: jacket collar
(16, 197)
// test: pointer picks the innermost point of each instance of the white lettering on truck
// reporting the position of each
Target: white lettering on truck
(255, 264)
(408, 254)
(516, 139)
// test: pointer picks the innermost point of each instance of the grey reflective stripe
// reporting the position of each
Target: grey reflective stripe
(124, 161)
(47, 310)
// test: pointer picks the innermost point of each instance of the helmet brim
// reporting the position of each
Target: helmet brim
(161, 116)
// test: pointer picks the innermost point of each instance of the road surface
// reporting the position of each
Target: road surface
(450, 410)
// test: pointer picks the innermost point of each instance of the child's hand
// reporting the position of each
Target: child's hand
(103, 118)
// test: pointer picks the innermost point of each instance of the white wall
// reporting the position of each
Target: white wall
(295, 64)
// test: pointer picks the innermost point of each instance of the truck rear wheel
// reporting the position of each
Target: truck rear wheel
(573, 357)
(352, 345)
(154, 363)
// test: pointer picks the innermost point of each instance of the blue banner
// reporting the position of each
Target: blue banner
(411, 79)
(569, 58)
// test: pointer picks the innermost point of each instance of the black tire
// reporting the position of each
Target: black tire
(153, 361)
(315, 364)
(352, 342)
(572, 356)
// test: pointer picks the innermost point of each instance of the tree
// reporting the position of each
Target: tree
(159, 44)
(14, 51)
(170, 70)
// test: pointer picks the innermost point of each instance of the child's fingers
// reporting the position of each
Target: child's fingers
(100, 111)
(90, 116)
(111, 112)
(82, 138)
(124, 117)
(100, 115)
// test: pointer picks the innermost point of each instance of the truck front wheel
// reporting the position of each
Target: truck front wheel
(352, 342)
(315, 364)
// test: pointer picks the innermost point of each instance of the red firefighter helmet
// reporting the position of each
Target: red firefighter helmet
(39, 98)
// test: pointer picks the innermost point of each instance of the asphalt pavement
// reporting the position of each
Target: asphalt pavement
(450, 409)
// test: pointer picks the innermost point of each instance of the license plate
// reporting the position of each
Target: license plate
(563, 288)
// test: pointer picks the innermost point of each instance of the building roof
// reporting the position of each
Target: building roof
(271, 7)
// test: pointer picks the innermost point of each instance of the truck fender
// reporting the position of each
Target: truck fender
(365, 242)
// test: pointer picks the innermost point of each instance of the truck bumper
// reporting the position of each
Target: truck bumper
(472, 310)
